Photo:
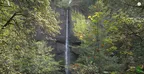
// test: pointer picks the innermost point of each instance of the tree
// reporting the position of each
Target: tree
(20, 52)
(93, 57)
(117, 34)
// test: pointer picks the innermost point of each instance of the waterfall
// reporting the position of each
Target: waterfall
(67, 52)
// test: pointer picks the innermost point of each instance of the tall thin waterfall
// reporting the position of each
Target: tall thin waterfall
(67, 52)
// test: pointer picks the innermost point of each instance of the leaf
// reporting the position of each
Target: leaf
(17, 47)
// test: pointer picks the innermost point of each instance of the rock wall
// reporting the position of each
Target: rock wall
(59, 43)
(60, 39)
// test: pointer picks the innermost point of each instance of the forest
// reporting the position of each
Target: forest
(71, 36)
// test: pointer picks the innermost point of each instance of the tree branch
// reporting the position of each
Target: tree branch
(10, 19)
(134, 33)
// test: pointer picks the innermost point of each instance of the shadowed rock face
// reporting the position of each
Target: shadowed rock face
(60, 39)
(59, 43)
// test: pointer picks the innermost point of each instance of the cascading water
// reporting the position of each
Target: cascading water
(67, 51)
(66, 46)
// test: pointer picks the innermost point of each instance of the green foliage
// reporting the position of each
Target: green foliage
(38, 13)
(38, 60)
(116, 37)
(19, 52)
(64, 3)
(92, 51)
(80, 24)
(34, 58)
(79, 68)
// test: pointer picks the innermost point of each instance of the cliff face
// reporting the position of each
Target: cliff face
(60, 39)
(59, 43)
